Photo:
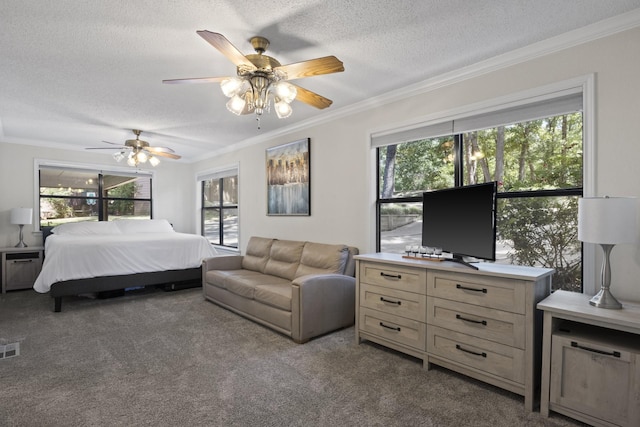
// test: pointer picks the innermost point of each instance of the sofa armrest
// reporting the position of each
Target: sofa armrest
(321, 303)
(223, 262)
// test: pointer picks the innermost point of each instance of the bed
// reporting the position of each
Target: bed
(98, 257)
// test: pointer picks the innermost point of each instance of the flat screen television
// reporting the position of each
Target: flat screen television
(461, 221)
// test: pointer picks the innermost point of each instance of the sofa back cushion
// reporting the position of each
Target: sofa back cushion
(257, 254)
(284, 258)
(319, 258)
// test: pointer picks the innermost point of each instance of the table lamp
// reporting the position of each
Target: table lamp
(21, 217)
(607, 221)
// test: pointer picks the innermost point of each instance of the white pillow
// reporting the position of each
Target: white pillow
(86, 228)
(130, 226)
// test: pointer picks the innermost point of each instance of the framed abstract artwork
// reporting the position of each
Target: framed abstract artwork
(289, 179)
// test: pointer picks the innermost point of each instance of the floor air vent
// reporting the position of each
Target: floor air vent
(9, 350)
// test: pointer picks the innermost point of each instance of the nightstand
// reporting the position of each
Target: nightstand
(590, 360)
(20, 267)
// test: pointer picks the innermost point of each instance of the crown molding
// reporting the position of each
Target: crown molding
(563, 41)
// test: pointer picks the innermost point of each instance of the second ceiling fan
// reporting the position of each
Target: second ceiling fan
(137, 151)
(261, 79)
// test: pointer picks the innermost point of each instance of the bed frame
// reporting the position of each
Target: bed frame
(169, 280)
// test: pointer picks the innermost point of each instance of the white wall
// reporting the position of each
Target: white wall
(342, 168)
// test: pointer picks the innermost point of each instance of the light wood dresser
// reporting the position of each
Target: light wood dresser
(482, 323)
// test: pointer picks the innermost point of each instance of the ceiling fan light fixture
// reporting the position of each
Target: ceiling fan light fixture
(142, 157)
(231, 86)
(154, 161)
(119, 156)
(283, 109)
(285, 91)
(131, 161)
(236, 105)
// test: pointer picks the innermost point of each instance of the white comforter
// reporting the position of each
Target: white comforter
(70, 257)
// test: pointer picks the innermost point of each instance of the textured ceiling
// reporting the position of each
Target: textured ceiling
(74, 73)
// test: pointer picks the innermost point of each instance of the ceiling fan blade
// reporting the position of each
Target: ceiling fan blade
(117, 147)
(312, 98)
(156, 150)
(162, 154)
(221, 43)
(312, 67)
(195, 80)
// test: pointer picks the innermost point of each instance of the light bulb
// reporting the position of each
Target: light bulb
(154, 161)
(286, 91)
(118, 156)
(236, 105)
(142, 156)
(131, 161)
(231, 86)
(283, 110)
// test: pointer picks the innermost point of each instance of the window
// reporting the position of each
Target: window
(72, 194)
(219, 217)
(538, 163)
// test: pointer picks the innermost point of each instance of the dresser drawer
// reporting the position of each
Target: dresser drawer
(487, 356)
(495, 325)
(393, 328)
(498, 293)
(393, 301)
(391, 276)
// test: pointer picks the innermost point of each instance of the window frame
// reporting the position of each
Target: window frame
(99, 170)
(582, 84)
(219, 174)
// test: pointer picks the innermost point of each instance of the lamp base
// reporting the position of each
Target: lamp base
(605, 299)
(21, 243)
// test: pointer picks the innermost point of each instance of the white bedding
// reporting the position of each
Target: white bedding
(78, 256)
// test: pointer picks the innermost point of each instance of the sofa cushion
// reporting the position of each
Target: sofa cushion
(217, 277)
(244, 282)
(275, 294)
(257, 254)
(319, 258)
(284, 258)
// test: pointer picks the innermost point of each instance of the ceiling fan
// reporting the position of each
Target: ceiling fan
(137, 151)
(261, 79)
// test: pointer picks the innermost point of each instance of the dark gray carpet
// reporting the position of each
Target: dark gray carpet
(173, 359)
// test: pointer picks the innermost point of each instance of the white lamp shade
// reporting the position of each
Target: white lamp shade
(236, 105)
(21, 216)
(607, 220)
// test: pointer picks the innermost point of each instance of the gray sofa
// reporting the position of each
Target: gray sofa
(301, 289)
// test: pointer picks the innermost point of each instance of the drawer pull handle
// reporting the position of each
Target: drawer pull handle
(383, 299)
(475, 353)
(480, 322)
(593, 350)
(393, 328)
(22, 261)
(390, 276)
(464, 288)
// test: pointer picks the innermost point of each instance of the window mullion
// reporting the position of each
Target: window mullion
(101, 195)
(220, 215)
(458, 165)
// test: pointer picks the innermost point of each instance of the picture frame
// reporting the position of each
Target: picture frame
(288, 168)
